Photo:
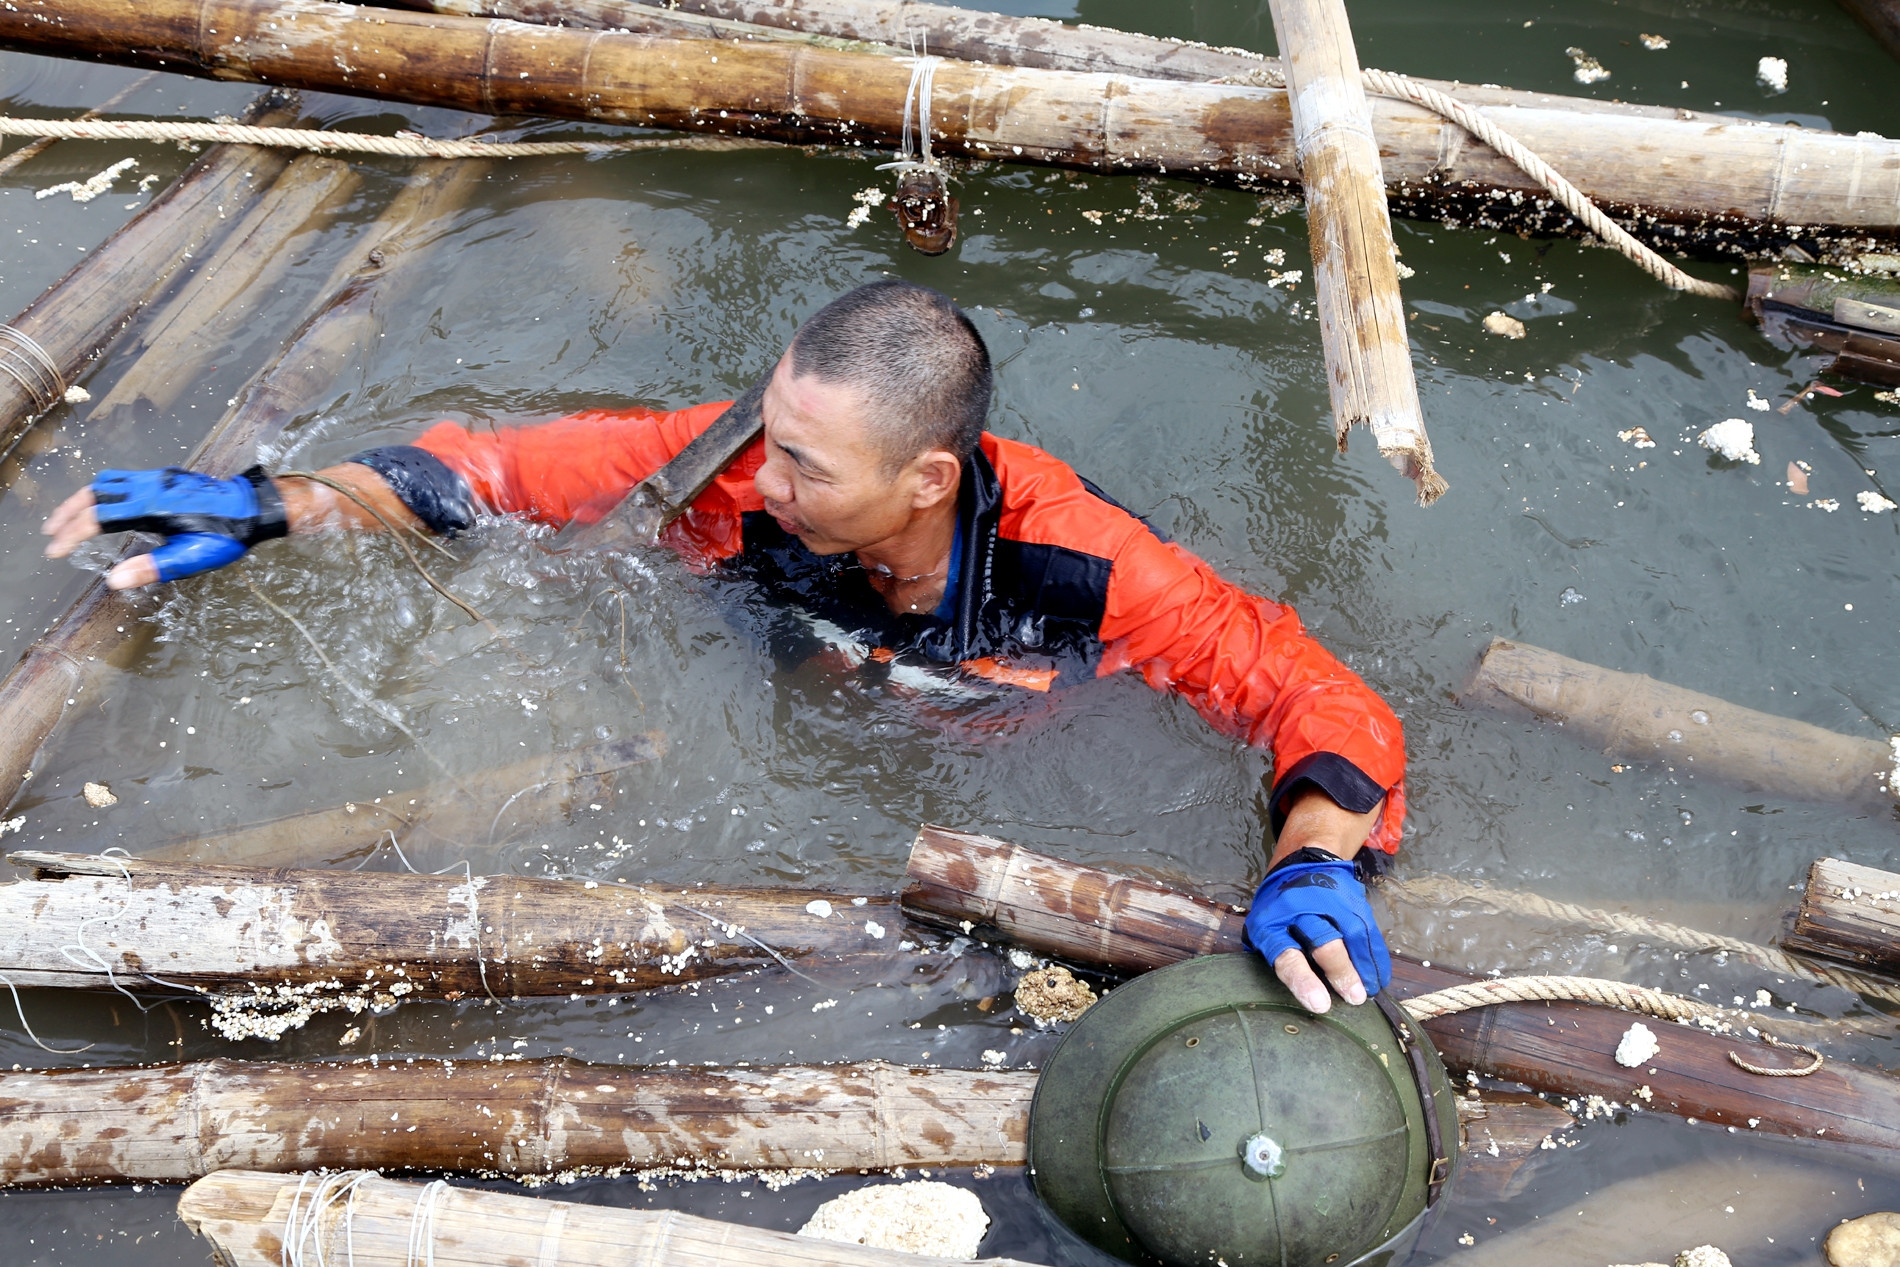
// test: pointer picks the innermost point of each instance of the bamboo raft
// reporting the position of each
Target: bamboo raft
(1711, 182)
(1120, 924)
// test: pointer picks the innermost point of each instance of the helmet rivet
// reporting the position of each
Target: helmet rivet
(1194, 1042)
(1332, 1258)
(1292, 1029)
(1263, 1157)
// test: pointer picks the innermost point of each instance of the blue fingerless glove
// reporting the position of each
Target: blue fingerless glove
(1302, 905)
(208, 522)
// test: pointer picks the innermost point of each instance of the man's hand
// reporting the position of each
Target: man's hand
(1316, 910)
(207, 522)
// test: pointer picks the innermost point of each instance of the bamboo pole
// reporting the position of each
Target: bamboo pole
(459, 813)
(172, 1123)
(262, 1220)
(1721, 183)
(1636, 718)
(1119, 924)
(58, 668)
(84, 921)
(251, 260)
(1851, 913)
(1355, 261)
(1501, 1135)
(80, 315)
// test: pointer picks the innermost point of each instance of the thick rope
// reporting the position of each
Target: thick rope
(350, 142)
(1440, 890)
(1575, 201)
(1617, 994)
(39, 147)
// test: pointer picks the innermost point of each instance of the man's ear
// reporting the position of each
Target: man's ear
(937, 472)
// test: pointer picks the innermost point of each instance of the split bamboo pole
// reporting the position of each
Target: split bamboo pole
(85, 921)
(1881, 18)
(1355, 261)
(1501, 1135)
(82, 313)
(1636, 718)
(1719, 182)
(174, 1123)
(62, 663)
(223, 293)
(262, 1220)
(462, 813)
(1122, 925)
(1851, 913)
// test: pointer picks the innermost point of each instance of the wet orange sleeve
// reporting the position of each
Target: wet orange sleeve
(1248, 665)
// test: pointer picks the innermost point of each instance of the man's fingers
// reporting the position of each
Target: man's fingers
(135, 572)
(1334, 960)
(1294, 973)
(72, 522)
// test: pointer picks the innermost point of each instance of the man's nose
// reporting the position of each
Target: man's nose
(771, 482)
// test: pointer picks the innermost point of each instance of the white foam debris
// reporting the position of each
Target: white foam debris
(1893, 780)
(1589, 69)
(76, 396)
(1505, 324)
(1756, 402)
(92, 187)
(1654, 43)
(920, 1217)
(875, 929)
(993, 1057)
(867, 199)
(1732, 438)
(1637, 1046)
(1636, 436)
(99, 796)
(13, 824)
(819, 907)
(1772, 74)
(1702, 1256)
(1873, 503)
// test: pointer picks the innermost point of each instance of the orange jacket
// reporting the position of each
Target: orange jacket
(1053, 577)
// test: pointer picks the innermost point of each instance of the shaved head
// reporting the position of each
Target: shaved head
(911, 357)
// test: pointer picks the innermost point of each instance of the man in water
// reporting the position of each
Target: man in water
(876, 501)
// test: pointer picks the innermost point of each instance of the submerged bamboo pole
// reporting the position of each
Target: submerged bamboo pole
(83, 312)
(61, 664)
(1851, 913)
(171, 1123)
(1633, 717)
(251, 259)
(455, 813)
(1355, 261)
(262, 1220)
(1714, 181)
(1112, 922)
(84, 921)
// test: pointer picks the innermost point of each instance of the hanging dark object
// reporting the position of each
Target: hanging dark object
(926, 209)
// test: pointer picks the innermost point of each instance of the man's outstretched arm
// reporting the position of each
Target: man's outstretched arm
(210, 522)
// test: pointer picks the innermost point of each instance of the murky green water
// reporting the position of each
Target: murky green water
(1177, 378)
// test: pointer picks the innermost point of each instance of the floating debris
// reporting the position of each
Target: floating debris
(1053, 994)
(819, 907)
(1772, 74)
(99, 796)
(87, 190)
(1872, 1240)
(1589, 69)
(1638, 1046)
(1756, 402)
(1873, 503)
(921, 1217)
(1702, 1256)
(76, 396)
(1732, 438)
(1505, 324)
(1798, 478)
(1636, 436)
(926, 210)
(866, 200)
(1654, 43)
(13, 824)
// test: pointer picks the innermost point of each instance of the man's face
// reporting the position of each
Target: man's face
(824, 478)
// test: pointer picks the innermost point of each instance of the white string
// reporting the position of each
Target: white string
(422, 1226)
(923, 74)
(304, 1224)
(21, 1011)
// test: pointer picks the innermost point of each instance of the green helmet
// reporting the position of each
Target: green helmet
(1198, 1114)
